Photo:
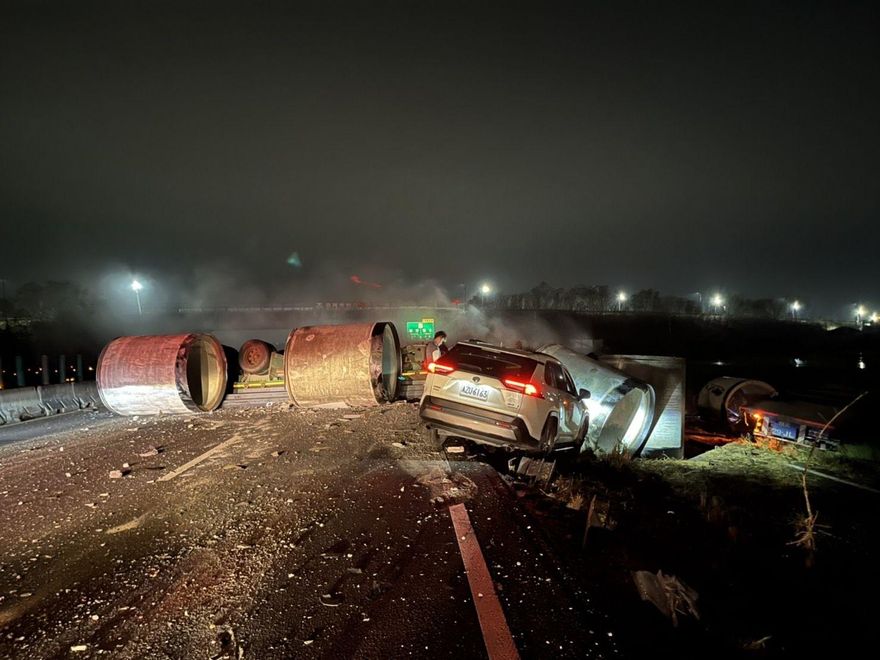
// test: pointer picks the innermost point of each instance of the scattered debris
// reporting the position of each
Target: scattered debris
(118, 474)
(79, 648)
(446, 487)
(131, 524)
(331, 600)
(668, 594)
(398, 444)
(537, 469)
(152, 451)
(757, 645)
(278, 452)
(229, 647)
(455, 449)
(352, 416)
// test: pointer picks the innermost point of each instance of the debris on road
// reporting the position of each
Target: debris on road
(118, 474)
(331, 600)
(668, 594)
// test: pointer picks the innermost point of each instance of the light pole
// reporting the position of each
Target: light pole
(795, 308)
(621, 298)
(860, 312)
(485, 290)
(136, 287)
(717, 302)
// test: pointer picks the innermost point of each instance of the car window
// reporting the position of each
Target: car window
(569, 383)
(550, 374)
(557, 377)
(497, 365)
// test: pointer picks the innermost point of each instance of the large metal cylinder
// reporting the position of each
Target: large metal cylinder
(357, 364)
(621, 407)
(722, 399)
(162, 374)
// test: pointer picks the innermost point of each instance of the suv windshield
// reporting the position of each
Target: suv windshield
(489, 363)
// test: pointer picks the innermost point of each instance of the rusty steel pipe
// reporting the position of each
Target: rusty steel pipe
(162, 374)
(356, 364)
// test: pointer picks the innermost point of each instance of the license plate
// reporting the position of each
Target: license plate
(475, 392)
(783, 430)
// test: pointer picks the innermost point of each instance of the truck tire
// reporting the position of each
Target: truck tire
(254, 356)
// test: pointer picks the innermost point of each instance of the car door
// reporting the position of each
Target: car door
(563, 401)
(580, 414)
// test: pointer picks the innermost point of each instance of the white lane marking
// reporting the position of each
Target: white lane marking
(496, 633)
(198, 459)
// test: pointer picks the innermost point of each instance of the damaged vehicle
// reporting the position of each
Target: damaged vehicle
(504, 397)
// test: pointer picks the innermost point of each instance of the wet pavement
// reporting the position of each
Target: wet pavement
(266, 533)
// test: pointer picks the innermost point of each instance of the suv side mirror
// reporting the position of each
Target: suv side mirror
(583, 394)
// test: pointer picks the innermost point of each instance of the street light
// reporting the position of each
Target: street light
(136, 287)
(485, 290)
(860, 312)
(621, 298)
(717, 301)
(795, 308)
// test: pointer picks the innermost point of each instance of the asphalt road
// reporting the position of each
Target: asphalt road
(267, 533)
(45, 427)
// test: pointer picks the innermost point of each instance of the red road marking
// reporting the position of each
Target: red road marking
(496, 633)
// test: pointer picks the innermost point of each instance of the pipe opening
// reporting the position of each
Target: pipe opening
(625, 428)
(205, 373)
(385, 361)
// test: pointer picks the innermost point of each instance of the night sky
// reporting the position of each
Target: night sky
(656, 145)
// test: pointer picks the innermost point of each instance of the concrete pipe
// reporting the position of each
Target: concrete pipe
(162, 374)
(356, 364)
(254, 356)
(621, 407)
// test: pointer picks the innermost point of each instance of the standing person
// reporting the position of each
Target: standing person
(436, 348)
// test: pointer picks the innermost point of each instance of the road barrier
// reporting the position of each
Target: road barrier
(24, 403)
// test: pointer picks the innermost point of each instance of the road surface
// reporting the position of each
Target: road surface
(270, 533)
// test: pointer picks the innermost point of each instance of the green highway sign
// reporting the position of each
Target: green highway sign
(423, 329)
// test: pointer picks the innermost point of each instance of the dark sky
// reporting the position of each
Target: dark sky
(636, 144)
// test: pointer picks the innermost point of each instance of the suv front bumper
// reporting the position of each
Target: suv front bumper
(477, 424)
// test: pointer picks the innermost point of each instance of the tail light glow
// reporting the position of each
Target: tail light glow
(529, 389)
(438, 368)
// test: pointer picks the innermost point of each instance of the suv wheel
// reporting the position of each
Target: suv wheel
(432, 438)
(548, 435)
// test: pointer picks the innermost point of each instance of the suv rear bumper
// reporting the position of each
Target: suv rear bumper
(461, 420)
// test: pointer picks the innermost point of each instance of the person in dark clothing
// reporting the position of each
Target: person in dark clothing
(436, 348)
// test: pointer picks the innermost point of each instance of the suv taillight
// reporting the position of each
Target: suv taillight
(529, 389)
(441, 367)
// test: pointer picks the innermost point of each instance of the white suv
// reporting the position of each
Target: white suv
(505, 397)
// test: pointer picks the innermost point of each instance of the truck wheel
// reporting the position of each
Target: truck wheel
(254, 356)
(548, 435)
